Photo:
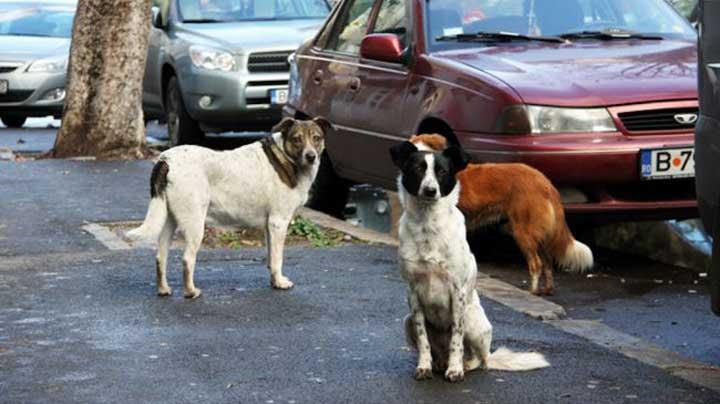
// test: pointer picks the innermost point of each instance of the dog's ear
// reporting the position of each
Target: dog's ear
(457, 156)
(401, 152)
(283, 125)
(324, 124)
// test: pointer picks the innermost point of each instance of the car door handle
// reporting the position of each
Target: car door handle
(354, 84)
(318, 77)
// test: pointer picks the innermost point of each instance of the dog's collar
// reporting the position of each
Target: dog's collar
(284, 167)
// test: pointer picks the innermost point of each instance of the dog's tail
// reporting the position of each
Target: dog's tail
(505, 359)
(157, 210)
(569, 254)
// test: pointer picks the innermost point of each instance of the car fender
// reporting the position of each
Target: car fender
(464, 99)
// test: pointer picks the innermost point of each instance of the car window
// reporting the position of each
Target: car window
(392, 19)
(353, 27)
(249, 10)
(36, 19)
(164, 7)
(554, 17)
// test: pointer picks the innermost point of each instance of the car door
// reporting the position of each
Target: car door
(335, 68)
(707, 134)
(376, 96)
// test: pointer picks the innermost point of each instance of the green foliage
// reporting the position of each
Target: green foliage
(302, 227)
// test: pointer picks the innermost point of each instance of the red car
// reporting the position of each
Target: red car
(600, 95)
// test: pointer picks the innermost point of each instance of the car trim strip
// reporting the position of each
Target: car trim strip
(360, 65)
(371, 133)
(503, 152)
(554, 152)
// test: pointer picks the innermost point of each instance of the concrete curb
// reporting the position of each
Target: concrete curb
(636, 348)
(106, 237)
(360, 233)
(518, 299)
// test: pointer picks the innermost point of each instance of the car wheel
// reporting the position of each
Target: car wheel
(182, 129)
(329, 192)
(14, 121)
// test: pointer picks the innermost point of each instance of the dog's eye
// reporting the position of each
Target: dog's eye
(441, 171)
(317, 138)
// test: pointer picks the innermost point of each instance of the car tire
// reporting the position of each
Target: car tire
(182, 129)
(329, 193)
(14, 121)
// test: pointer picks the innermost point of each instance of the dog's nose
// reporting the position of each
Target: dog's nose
(310, 157)
(430, 192)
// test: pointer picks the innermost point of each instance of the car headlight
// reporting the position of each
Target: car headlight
(538, 119)
(49, 65)
(212, 59)
(569, 120)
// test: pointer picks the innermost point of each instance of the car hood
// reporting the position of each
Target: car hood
(16, 48)
(241, 36)
(589, 73)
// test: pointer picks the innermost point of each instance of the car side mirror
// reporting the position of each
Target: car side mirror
(156, 17)
(384, 47)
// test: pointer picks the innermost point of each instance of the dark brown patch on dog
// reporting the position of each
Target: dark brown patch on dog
(282, 165)
(158, 178)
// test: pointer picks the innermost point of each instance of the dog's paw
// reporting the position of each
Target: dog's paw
(282, 283)
(193, 294)
(423, 373)
(164, 292)
(548, 291)
(455, 375)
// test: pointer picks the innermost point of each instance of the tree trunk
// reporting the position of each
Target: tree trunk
(103, 109)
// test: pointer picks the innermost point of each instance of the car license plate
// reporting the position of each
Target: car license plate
(667, 163)
(279, 96)
(3, 86)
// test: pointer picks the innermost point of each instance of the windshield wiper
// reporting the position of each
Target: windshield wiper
(609, 34)
(498, 36)
(203, 21)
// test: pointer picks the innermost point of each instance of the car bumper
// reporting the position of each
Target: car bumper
(240, 100)
(26, 92)
(602, 169)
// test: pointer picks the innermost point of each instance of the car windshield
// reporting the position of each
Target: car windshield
(250, 10)
(448, 18)
(36, 19)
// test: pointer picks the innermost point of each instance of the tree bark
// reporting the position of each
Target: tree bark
(103, 108)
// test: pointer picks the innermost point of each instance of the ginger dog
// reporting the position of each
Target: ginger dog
(529, 202)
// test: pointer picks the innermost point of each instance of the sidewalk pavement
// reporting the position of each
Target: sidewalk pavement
(81, 323)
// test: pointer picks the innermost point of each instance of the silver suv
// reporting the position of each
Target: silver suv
(222, 65)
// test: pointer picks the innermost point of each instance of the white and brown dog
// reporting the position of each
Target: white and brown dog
(259, 185)
(447, 325)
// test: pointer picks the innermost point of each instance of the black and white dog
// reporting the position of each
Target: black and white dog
(447, 325)
(260, 185)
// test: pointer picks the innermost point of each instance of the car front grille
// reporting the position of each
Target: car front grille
(659, 119)
(269, 62)
(15, 96)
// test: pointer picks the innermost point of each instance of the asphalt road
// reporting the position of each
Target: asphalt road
(79, 323)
